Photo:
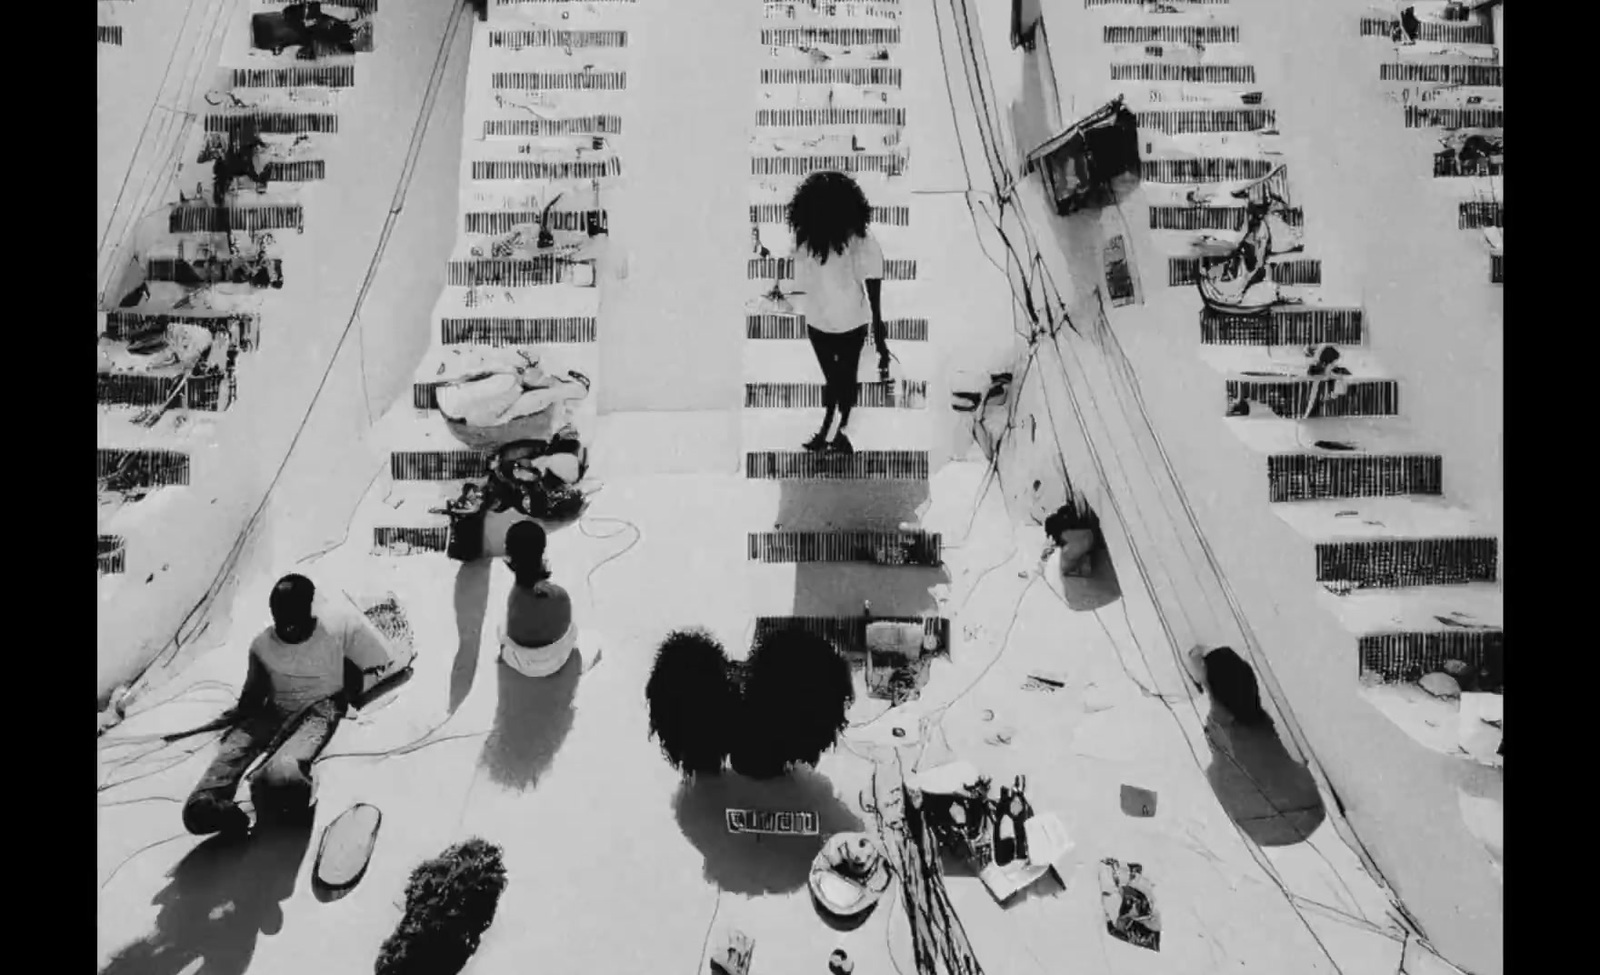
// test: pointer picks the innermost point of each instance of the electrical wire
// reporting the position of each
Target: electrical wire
(408, 171)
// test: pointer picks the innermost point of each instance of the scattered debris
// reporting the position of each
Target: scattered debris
(732, 956)
(839, 963)
(1128, 899)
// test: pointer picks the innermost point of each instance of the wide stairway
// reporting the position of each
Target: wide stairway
(200, 287)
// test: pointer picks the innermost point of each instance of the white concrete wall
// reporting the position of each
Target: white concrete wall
(181, 547)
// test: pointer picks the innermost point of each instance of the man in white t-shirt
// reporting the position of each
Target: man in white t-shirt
(292, 701)
(838, 280)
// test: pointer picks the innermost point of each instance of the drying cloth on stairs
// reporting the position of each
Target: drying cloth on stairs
(184, 345)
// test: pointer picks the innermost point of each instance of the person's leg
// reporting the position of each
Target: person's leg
(283, 785)
(848, 351)
(824, 353)
(210, 807)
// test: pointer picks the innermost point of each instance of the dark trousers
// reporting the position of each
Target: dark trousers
(284, 780)
(839, 355)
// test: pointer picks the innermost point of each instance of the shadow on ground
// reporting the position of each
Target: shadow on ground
(221, 897)
(1272, 797)
(752, 864)
(532, 717)
(471, 607)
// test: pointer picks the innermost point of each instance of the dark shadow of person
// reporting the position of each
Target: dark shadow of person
(532, 717)
(1087, 593)
(471, 607)
(754, 864)
(1272, 797)
(221, 896)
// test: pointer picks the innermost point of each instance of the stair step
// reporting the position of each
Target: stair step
(243, 329)
(1205, 169)
(560, 221)
(364, 6)
(273, 123)
(845, 10)
(1290, 398)
(1170, 34)
(509, 273)
(108, 34)
(850, 632)
(1427, 117)
(208, 393)
(1187, 121)
(112, 553)
(1479, 213)
(873, 547)
(834, 36)
(1292, 325)
(764, 268)
(1473, 75)
(1212, 218)
(1429, 32)
(778, 213)
(320, 76)
(191, 218)
(438, 465)
(558, 80)
(802, 118)
(1091, 4)
(1401, 563)
(1394, 542)
(145, 468)
(863, 465)
(1402, 634)
(516, 40)
(1206, 74)
(538, 128)
(518, 331)
(532, 3)
(209, 272)
(889, 164)
(1449, 167)
(1316, 476)
(409, 540)
(875, 77)
(1497, 269)
(546, 169)
(302, 171)
(1183, 271)
(904, 395)
(770, 326)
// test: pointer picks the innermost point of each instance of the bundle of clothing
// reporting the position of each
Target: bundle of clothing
(171, 350)
(539, 478)
(491, 397)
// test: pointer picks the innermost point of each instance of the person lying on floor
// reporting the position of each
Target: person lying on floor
(293, 699)
(539, 634)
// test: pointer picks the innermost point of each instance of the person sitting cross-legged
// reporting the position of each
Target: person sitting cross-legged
(292, 701)
(539, 634)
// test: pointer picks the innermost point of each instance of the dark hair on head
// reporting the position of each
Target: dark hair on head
(693, 701)
(1233, 685)
(291, 596)
(827, 211)
(525, 546)
(797, 690)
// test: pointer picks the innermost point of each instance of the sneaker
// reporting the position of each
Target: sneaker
(841, 445)
(816, 443)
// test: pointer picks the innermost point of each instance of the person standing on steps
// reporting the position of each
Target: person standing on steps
(838, 281)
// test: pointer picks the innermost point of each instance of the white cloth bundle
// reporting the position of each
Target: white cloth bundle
(538, 661)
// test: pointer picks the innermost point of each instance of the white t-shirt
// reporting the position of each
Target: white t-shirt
(305, 672)
(834, 297)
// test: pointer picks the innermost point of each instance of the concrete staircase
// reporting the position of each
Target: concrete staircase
(151, 425)
(542, 118)
(1411, 576)
(1450, 83)
(846, 527)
